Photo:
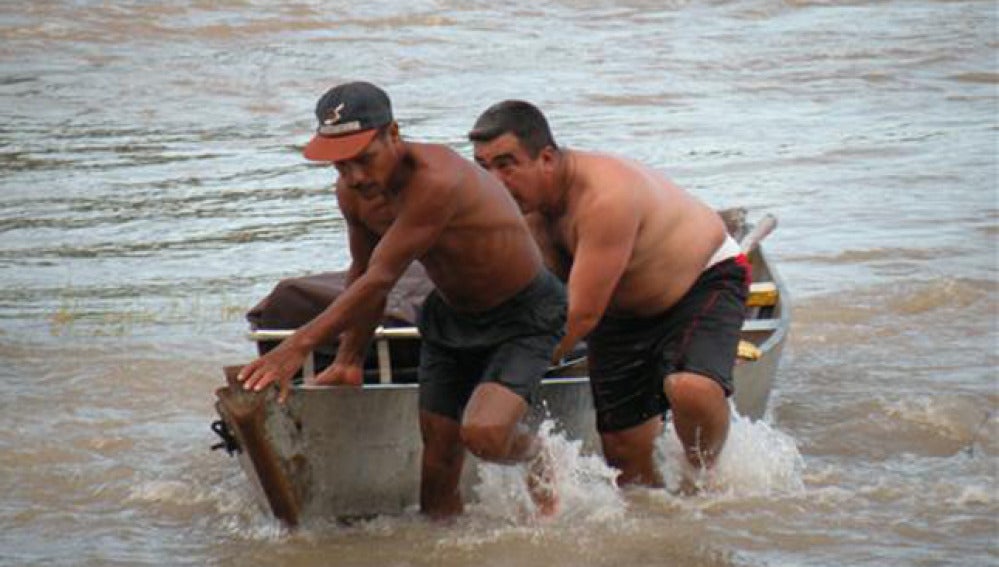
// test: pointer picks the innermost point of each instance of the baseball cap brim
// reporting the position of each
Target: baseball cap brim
(338, 148)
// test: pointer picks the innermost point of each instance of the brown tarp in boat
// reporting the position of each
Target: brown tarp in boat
(295, 301)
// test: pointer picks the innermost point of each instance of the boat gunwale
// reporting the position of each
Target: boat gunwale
(779, 333)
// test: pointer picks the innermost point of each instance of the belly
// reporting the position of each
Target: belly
(649, 294)
(478, 286)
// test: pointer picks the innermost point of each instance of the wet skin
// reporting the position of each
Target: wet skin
(631, 243)
(406, 202)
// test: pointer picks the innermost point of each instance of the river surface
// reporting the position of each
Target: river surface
(152, 190)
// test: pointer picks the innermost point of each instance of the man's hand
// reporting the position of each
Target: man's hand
(564, 347)
(278, 365)
(347, 374)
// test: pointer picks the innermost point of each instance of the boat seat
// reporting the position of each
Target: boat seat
(760, 325)
(748, 351)
(762, 294)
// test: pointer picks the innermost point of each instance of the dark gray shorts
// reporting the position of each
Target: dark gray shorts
(510, 344)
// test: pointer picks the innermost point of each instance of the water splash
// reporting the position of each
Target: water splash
(757, 460)
(585, 485)
(946, 416)
(174, 492)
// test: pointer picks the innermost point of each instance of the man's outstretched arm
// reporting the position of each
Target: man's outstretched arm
(415, 230)
(606, 229)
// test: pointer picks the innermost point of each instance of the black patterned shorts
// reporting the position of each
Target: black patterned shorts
(630, 357)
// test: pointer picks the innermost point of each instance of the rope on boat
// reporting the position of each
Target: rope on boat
(229, 442)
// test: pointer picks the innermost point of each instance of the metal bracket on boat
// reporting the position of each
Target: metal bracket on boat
(229, 442)
(381, 335)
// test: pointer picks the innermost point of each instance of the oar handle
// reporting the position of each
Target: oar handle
(765, 226)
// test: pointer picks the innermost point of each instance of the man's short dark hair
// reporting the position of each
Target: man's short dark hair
(522, 119)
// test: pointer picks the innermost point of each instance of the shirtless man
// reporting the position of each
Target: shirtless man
(656, 286)
(488, 328)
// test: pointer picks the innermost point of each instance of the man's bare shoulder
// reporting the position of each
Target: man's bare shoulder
(438, 166)
(602, 181)
(604, 167)
(607, 177)
(435, 155)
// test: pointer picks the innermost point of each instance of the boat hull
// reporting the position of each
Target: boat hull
(354, 452)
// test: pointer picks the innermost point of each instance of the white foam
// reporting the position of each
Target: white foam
(951, 417)
(975, 495)
(585, 486)
(231, 498)
(166, 491)
(757, 460)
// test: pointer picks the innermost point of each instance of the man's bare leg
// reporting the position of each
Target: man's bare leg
(491, 429)
(631, 451)
(541, 483)
(700, 415)
(443, 456)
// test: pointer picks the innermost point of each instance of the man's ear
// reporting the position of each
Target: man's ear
(548, 157)
(393, 131)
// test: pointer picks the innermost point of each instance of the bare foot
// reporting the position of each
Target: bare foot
(694, 481)
(541, 483)
(688, 487)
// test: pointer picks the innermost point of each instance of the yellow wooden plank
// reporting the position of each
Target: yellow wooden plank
(748, 351)
(762, 294)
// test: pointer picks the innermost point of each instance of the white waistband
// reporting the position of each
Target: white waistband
(728, 249)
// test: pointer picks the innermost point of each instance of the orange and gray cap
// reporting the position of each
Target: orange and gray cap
(349, 118)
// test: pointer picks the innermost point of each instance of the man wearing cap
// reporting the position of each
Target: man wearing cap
(489, 327)
(656, 286)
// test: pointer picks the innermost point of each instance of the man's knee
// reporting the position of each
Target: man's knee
(489, 442)
(489, 425)
(687, 391)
